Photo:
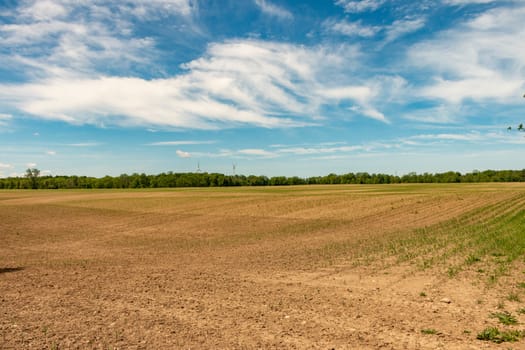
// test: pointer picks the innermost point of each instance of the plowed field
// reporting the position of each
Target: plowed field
(314, 267)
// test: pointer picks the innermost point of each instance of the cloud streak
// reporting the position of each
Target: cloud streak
(273, 10)
(357, 6)
(4, 118)
(467, 2)
(180, 143)
(240, 82)
(347, 28)
(402, 27)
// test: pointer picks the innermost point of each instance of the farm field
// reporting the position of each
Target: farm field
(323, 267)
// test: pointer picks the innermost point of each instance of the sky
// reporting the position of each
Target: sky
(268, 87)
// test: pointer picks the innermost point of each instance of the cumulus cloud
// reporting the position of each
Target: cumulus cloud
(51, 153)
(31, 165)
(5, 166)
(273, 10)
(183, 154)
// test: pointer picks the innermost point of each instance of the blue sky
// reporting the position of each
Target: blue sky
(277, 87)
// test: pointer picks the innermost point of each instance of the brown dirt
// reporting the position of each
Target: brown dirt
(238, 269)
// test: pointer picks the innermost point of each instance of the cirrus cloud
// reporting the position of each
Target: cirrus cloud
(51, 38)
(273, 10)
(239, 82)
(347, 28)
(179, 143)
(356, 6)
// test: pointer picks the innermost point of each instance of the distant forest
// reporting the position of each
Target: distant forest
(171, 179)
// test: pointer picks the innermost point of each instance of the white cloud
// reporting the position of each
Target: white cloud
(242, 153)
(180, 143)
(339, 150)
(43, 10)
(455, 91)
(473, 136)
(477, 60)
(183, 154)
(241, 82)
(146, 9)
(318, 149)
(72, 49)
(4, 118)
(84, 144)
(442, 114)
(392, 32)
(369, 112)
(31, 165)
(356, 6)
(351, 28)
(51, 153)
(72, 38)
(273, 10)
(132, 101)
(359, 93)
(5, 166)
(256, 152)
(466, 2)
(402, 27)
(322, 151)
(374, 114)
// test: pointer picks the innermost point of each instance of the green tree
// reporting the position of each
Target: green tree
(32, 175)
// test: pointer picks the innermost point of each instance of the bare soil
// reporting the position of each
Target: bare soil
(246, 268)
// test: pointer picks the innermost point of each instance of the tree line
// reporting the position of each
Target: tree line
(33, 180)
